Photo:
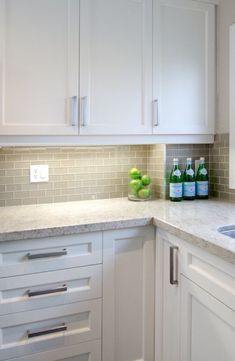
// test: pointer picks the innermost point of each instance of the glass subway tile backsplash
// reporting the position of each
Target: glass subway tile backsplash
(83, 173)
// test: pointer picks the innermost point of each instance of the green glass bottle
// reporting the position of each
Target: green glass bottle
(202, 181)
(176, 185)
(189, 185)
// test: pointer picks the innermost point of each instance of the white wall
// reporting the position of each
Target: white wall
(226, 17)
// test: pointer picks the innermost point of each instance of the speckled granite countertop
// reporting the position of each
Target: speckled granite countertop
(196, 222)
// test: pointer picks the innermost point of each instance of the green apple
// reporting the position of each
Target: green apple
(134, 173)
(144, 193)
(136, 185)
(146, 180)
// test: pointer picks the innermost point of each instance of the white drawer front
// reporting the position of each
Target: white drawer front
(48, 289)
(48, 254)
(53, 328)
(86, 351)
(211, 273)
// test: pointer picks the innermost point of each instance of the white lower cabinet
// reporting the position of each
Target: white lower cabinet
(106, 296)
(51, 298)
(207, 325)
(195, 297)
(167, 306)
(128, 294)
(53, 306)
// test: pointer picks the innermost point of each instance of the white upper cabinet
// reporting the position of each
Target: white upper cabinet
(116, 67)
(184, 67)
(96, 68)
(39, 64)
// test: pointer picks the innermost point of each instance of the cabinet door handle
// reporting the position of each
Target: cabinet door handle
(74, 111)
(64, 288)
(173, 265)
(84, 111)
(47, 255)
(155, 113)
(47, 331)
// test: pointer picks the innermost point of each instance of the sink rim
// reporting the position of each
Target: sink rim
(225, 230)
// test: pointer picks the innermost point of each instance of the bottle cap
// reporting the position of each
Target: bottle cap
(189, 159)
(175, 160)
(202, 160)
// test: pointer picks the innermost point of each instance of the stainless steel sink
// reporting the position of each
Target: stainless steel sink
(227, 231)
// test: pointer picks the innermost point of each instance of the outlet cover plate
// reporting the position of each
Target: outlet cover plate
(39, 173)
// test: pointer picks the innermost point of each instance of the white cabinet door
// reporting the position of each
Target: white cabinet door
(39, 54)
(208, 326)
(167, 303)
(116, 67)
(128, 295)
(184, 67)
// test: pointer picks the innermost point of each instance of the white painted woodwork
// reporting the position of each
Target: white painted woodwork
(86, 351)
(83, 321)
(184, 66)
(39, 65)
(87, 140)
(232, 109)
(82, 250)
(207, 326)
(116, 67)
(210, 272)
(83, 283)
(167, 304)
(196, 319)
(128, 294)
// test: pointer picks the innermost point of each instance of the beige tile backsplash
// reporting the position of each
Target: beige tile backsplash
(74, 173)
(219, 168)
(82, 173)
(156, 168)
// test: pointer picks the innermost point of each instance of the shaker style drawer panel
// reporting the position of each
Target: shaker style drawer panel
(48, 289)
(86, 351)
(31, 332)
(211, 273)
(48, 254)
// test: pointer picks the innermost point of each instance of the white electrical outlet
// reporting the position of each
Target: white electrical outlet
(39, 173)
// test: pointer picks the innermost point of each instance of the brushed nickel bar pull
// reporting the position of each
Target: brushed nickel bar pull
(74, 111)
(155, 113)
(31, 256)
(173, 265)
(84, 111)
(64, 288)
(48, 331)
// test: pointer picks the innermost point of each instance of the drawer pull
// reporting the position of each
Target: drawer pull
(173, 265)
(64, 288)
(48, 331)
(47, 255)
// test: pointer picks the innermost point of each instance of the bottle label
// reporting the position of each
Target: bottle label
(177, 173)
(189, 189)
(203, 171)
(202, 188)
(190, 172)
(176, 190)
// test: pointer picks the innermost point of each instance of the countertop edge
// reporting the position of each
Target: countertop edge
(216, 250)
(73, 229)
